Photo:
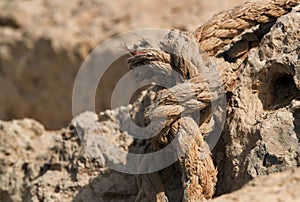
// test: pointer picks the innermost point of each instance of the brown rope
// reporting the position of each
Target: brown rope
(193, 91)
(223, 27)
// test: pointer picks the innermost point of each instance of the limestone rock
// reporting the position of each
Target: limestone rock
(39, 165)
(275, 187)
(261, 134)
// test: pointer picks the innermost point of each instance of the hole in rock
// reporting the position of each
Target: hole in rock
(285, 91)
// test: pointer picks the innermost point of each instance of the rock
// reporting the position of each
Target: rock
(275, 187)
(37, 165)
(261, 134)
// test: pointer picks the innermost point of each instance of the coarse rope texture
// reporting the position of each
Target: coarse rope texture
(192, 91)
(221, 29)
(193, 85)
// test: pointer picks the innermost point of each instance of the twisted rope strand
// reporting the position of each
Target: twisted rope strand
(193, 90)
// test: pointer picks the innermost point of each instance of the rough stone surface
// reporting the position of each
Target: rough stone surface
(60, 169)
(261, 134)
(275, 187)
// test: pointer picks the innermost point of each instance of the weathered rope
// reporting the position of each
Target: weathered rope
(192, 91)
(223, 27)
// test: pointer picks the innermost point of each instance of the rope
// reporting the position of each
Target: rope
(220, 30)
(189, 94)
(193, 90)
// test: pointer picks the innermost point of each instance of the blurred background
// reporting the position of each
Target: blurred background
(44, 42)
